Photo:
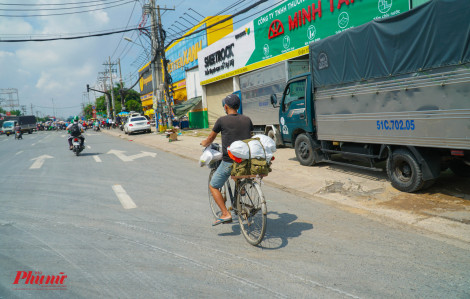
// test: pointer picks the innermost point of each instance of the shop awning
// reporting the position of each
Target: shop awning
(186, 106)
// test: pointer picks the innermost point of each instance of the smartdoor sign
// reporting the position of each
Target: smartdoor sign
(224, 57)
(286, 31)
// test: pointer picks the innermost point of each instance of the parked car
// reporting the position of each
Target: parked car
(137, 124)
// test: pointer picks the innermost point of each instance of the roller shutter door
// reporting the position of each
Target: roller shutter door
(215, 93)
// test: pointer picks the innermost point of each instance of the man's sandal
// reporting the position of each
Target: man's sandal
(221, 220)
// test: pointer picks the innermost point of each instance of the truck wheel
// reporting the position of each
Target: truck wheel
(460, 168)
(404, 171)
(304, 150)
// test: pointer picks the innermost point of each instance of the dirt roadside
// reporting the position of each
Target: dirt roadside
(443, 209)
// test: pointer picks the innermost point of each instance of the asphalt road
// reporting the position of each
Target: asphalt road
(126, 221)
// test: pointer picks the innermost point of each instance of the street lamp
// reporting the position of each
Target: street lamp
(141, 45)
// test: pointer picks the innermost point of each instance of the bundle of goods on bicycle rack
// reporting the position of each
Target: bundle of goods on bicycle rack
(252, 156)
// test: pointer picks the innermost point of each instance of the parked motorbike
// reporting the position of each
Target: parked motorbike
(77, 148)
(96, 128)
(18, 135)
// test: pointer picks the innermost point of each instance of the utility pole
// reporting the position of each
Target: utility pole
(108, 112)
(53, 108)
(112, 87)
(32, 109)
(122, 86)
(156, 62)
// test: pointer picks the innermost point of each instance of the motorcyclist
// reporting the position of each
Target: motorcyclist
(18, 129)
(80, 129)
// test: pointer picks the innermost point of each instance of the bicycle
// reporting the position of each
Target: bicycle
(247, 202)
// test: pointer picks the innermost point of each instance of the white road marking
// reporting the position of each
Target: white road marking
(39, 161)
(62, 136)
(33, 144)
(18, 153)
(124, 158)
(88, 147)
(97, 159)
(125, 199)
(5, 140)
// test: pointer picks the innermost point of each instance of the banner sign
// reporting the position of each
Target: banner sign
(183, 55)
(286, 31)
(228, 54)
(145, 82)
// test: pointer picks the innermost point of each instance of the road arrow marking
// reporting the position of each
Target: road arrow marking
(124, 158)
(126, 200)
(39, 161)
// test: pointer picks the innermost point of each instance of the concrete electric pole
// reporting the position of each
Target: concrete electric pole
(112, 88)
(156, 65)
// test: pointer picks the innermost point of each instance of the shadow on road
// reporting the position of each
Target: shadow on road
(90, 154)
(280, 227)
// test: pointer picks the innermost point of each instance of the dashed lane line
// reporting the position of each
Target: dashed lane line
(97, 159)
(126, 200)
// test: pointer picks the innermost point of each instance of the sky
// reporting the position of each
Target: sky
(52, 76)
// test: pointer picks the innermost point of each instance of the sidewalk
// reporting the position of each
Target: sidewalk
(443, 209)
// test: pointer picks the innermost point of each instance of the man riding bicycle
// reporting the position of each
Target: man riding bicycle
(233, 127)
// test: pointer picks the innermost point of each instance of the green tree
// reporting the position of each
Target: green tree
(133, 105)
(88, 111)
(16, 112)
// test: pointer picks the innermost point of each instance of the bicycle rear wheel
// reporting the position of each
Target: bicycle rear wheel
(252, 211)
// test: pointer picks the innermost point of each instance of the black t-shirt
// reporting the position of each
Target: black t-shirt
(233, 127)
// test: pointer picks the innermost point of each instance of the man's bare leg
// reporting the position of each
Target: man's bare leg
(219, 200)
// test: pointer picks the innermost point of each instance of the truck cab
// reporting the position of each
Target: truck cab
(8, 127)
(295, 107)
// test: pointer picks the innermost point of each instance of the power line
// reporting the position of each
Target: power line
(219, 22)
(66, 38)
(65, 13)
(128, 21)
(52, 4)
(62, 8)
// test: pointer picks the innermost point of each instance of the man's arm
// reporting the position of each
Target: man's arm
(209, 139)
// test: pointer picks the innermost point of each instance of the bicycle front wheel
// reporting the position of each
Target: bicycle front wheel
(252, 211)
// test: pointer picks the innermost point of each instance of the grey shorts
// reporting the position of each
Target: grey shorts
(221, 175)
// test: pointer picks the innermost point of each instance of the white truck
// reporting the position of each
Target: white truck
(256, 88)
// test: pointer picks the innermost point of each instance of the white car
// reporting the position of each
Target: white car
(137, 124)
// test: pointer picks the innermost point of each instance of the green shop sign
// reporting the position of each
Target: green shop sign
(294, 24)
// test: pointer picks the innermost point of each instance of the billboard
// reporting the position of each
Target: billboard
(285, 32)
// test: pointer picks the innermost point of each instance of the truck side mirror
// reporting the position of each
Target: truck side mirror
(274, 100)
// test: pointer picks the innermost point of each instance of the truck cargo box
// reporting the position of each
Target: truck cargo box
(401, 80)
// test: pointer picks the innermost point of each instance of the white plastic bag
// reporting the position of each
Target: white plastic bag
(209, 155)
(239, 149)
(267, 142)
(256, 149)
